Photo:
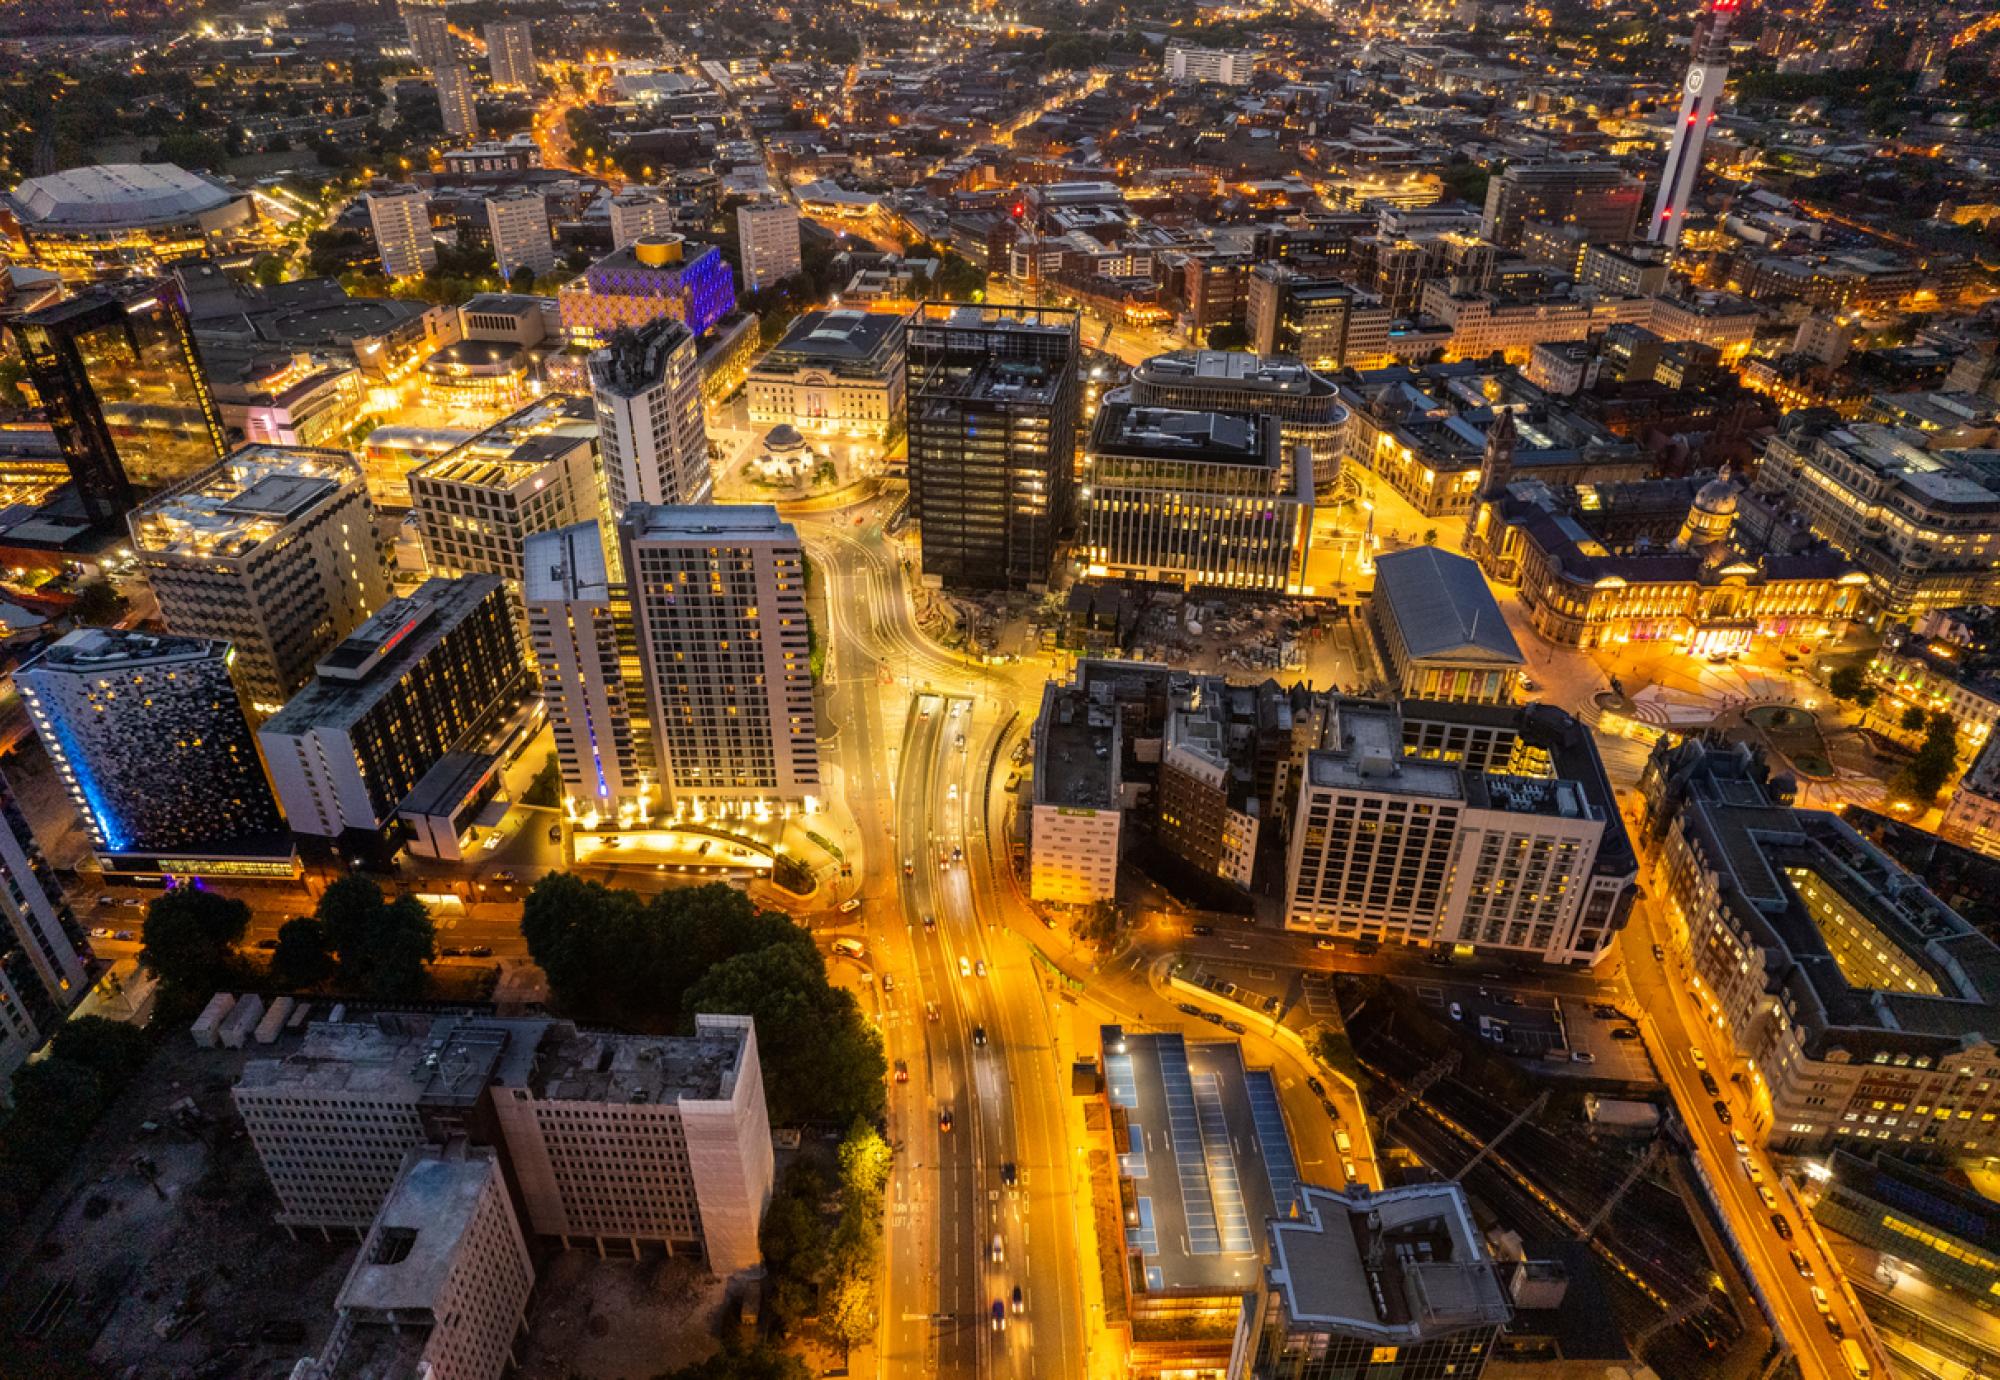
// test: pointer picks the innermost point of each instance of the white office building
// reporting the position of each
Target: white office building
(718, 600)
(401, 221)
(1530, 859)
(510, 53)
(641, 213)
(626, 1142)
(1221, 65)
(647, 387)
(440, 1286)
(577, 620)
(767, 242)
(273, 550)
(519, 221)
(1078, 811)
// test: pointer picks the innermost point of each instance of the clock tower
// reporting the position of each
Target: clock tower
(1698, 96)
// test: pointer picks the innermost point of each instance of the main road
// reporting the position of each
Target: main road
(987, 1205)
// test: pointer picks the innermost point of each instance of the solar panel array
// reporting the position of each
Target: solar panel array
(1279, 1165)
(1232, 1214)
(1120, 1084)
(1143, 1238)
(1184, 1135)
(1132, 1164)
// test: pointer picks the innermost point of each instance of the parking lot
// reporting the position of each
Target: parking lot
(1560, 1037)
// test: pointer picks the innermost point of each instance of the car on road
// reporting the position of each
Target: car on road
(1201, 930)
(902, 1070)
(1801, 1264)
(957, 853)
(979, 1036)
(1323, 943)
(1508, 999)
(1659, 954)
(1750, 1168)
(1820, 1300)
(964, 966)
(930, 921)
(944, 1119)
(979, 967)
(1709, 1085)
(1700, 1059)
(107, 901)
(959, 742)
(909, 867)
(850, 905)
(480, 951)
(1188, 1008)
(996, 1250)
(505, 876)
(1020, 1305)
(1319, 1088)
(1342, 1141)
(1742, 1145)
(1008, 1174)
(451, 951)
(1782, 1225)
(888, 982)
(1457, 1012)
(1624, 1032)
(1582, 1056)
(100, 932)
(267, 943)
(1212, 1017)
(850, 948)
(1770, 1198)
(1722, 1111)
(555, 833)
(999, 1315)
(1233, 1027)
(930, 1011)
(125, 935)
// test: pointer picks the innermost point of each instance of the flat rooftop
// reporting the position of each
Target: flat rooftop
(565, 564)
(597, 1066)
(1205, 1160)
(845, 336)
(1076, 749)
(516, 449)
(704, 522)
(1170, 433)
(1236, 369)
(1401, 1265)
(419, 1232)
(442, 1060)
(236, 505)
(93, 651)
(1364, 752)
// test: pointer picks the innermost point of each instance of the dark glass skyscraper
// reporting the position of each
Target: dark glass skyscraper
(123, 387)
(993, 415)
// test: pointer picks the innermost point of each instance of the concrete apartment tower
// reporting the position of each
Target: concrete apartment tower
(647, 387)
(519, 222)
(767, 242)
(510, 53)
(577, 620)
(718, 600)
(401, 221)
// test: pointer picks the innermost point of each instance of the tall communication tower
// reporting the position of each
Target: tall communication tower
(1705, 76)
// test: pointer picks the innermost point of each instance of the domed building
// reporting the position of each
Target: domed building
(134, 217)
(1712, 515)
(1658, 560)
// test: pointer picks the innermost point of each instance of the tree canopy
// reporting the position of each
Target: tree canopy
(612, 956)
(189, 939)
(382, 945)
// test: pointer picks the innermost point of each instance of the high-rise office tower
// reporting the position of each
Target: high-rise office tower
(519, 220)
(478, 504)
(581, 625)
(123, 387)
(456, 105)
(767, 242)
(993, 408)
(149, 738)
(1600, 198)
(274, 551)
(431, 676)
(639, 213)
(401, 221)
(1706, 73)
(718, 600)
(430, 35)
(510, 53)
(43, 961)
(647, 387)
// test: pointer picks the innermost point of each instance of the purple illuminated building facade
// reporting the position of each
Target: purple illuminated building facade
(654, 277)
